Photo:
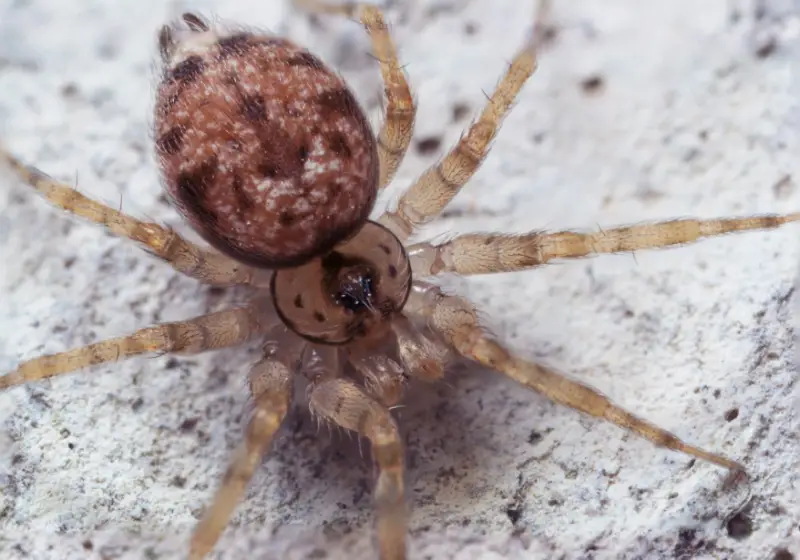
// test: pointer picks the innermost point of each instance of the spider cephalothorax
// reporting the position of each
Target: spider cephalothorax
(268, 155)
(352, 292)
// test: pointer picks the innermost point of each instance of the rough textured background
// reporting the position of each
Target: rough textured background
(639, 111)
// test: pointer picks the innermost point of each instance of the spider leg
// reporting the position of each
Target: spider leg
(206, 332)
(400, 111)
(437, 186)
(207, 266)
(344, 403)
(384, 379)
(456, 319)
(481, 253)
(422, 356)
(271, 383)
(419, 356)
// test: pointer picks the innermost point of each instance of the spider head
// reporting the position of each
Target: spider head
(351, 292)
(352, 284)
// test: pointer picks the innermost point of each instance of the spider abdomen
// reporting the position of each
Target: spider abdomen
(262, 147)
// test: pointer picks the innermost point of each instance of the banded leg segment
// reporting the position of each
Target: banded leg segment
(207, 332)
(456, 319)
(271, 382)
(481, 253)
(437, 186)
(207, 266)
(344, 403)
(400, 111)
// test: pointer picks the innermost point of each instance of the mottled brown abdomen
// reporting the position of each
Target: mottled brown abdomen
(264, 149)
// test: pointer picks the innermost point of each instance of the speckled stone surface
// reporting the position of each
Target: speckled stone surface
(639, 111)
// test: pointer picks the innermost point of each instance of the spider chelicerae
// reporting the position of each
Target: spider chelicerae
(269, 157)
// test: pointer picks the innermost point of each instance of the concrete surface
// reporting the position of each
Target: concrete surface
(639, 111)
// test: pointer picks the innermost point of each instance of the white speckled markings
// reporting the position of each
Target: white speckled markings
(638, 112)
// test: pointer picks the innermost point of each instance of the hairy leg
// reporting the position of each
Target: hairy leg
(384, 379)
(422, 356)
(481, 253)
(203, 264)
(455, 318)
(437, 186)
(207, 332)
(344, 403)
(271, 381)
(418, 355)
(400, 111)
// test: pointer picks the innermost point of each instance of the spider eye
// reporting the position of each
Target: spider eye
(356, 294)
(347, 293)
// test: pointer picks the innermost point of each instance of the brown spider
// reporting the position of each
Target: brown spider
(270, 158)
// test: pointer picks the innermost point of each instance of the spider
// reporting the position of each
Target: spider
(268, 156)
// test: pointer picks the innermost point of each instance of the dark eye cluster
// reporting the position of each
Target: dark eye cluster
(356, 295)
